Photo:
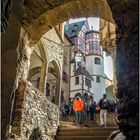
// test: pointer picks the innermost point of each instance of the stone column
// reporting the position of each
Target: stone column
(58, 91)
(42, 77)
(126, 17)
(113, 55)
(45, 77)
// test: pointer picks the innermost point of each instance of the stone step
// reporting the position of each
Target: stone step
(72, 125)
(93, 129)
(96, 133)
(81, 138)
(82, 126)
(69, 131)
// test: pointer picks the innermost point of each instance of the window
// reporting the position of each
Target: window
(81, 44)
(94, 46)
(87, 36)
(98, 79)
(90, 46)
(97, 60)
(76, 80)
(75, 26)
(98, 47)
(73, 32)
(94, 36)
(90, 35)
(87, 82)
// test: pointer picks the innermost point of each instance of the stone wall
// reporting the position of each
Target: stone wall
(9, 42)
(40, 117)
(127, 65)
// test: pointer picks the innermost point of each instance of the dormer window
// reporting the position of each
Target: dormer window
(75, 26)
(73, 32)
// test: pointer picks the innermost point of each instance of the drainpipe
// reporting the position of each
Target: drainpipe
(82, 80)
(12, 99)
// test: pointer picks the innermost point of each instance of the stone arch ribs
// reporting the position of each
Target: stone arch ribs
(39, 17)
(43, 67)
(33, 71)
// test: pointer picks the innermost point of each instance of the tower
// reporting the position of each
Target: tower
(95, 63)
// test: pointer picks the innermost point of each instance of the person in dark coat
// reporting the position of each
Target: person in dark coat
(92, 109)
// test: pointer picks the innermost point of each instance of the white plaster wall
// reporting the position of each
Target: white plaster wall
(93, 68)
(98, 88)
(73, 93)
(72, 83)
(96, 70)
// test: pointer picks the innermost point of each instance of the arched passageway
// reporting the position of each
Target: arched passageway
(53, 82)
(34, 76)
(37, 69)
(37, 22)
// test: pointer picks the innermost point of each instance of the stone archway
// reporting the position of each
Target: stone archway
(54, 80)
(46, 18)
(125, 14)
(38, 64)
(34, 76)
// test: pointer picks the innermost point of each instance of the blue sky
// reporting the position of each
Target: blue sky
(108, 65)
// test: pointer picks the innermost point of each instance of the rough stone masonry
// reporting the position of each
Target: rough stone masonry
(40, 117)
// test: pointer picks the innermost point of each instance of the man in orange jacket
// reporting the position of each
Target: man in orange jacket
(78, 107)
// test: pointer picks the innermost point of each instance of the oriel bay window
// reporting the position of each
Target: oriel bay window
(87, 82)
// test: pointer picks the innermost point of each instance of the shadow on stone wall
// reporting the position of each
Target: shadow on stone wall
(36, 135)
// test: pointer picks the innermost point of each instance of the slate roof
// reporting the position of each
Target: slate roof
(70, 28)
(83, 71)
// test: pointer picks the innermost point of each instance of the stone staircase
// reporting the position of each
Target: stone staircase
(72, 132)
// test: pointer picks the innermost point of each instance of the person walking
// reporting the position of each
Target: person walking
(92, 109)
(104, 106)
(78, 107)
